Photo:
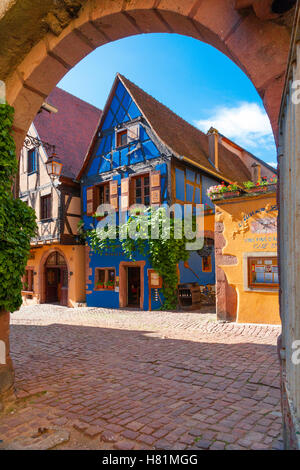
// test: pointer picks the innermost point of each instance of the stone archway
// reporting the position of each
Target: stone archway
(57, 35)
(51, 37)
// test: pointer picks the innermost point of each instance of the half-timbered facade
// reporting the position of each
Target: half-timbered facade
(55, 269)
(143, 153)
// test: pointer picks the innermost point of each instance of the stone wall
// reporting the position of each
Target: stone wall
(6, 370)
(226, 297)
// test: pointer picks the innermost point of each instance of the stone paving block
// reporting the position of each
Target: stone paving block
(205, 380)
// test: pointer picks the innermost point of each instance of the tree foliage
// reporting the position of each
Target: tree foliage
(17, 220)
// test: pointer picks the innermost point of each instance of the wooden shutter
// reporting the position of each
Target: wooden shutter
(90, 200)
(155, 190)
(133, 132)
(125, 194)
(113, 194)
(30, 279)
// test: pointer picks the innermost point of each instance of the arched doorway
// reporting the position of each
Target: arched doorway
(56, 279)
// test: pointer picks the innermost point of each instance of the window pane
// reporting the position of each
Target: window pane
(111, 275)
(106, 193)
(190, 175)
(124, 139)
(189, 192)
(31, 161)
(138, 182)
(263, 271)
(60, 259)
(100, 275)
(147, 201)
(179, 177)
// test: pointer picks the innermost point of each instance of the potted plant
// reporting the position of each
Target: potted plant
(222, 191)
(263, 185)
(232, 190)
(100, 285)
(110, 285)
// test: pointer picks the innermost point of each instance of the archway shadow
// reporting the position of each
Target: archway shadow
(131, 380)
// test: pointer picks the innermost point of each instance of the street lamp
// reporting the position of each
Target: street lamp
(54, 165)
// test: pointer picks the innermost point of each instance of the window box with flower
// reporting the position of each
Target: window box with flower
(262, 186)
(221, 191)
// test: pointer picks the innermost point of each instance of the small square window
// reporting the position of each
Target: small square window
(105, 278)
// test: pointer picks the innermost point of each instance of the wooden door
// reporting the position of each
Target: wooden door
(64, 286)
(52, 281)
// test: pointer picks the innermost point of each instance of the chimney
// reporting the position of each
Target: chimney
(256, 172)
(213, 144)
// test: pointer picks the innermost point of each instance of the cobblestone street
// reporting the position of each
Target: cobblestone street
(143, 380)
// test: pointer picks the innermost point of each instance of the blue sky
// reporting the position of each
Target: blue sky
(192, 78)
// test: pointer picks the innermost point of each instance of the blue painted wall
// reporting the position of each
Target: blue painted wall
(106, 157)
(110, 299)
(195, 263)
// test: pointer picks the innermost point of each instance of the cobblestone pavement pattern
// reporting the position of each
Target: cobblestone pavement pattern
(117, 379)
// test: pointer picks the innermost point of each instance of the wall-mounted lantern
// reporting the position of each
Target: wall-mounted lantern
(54, 165)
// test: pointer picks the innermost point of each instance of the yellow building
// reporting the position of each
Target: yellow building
(246, 257)
(55, 272)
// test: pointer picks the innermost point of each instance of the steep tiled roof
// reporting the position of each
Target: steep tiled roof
(184, 139)
(71, 129)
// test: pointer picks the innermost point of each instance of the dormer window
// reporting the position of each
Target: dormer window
(122, 138)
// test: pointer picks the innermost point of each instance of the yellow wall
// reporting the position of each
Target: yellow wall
(244, 235)
(75, 258)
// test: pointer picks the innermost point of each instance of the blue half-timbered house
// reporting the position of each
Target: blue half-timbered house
(144, 153)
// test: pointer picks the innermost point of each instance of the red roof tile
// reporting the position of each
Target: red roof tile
(71, 129)
(184, 139)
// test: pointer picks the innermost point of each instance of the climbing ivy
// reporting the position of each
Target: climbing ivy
(165, 251)
(17, 220)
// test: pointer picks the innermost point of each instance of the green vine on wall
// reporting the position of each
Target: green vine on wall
(17, 220)
(164, 252)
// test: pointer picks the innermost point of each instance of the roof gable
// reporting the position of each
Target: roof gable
(70, 129)
(183, 139)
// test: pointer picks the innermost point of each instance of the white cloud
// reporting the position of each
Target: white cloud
(246, 123)
(274, 164)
